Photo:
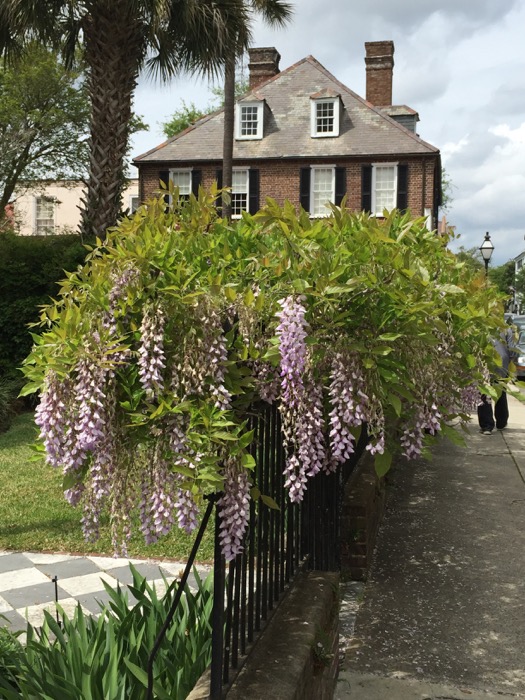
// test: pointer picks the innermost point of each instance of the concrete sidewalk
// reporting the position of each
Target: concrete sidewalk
(443, 611)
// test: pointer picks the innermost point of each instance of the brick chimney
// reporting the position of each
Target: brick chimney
(263, 64)
(379, 70)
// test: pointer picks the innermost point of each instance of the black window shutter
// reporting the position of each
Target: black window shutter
(366, 188)
(164, 176)
(304, 188)
(340, 185)
(253, 196)
(196, 180)
(402, 187)
(218, 177)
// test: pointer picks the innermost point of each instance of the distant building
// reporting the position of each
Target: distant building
(303, 136)
(54, 207)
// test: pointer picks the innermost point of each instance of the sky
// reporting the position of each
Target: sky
(459, 63)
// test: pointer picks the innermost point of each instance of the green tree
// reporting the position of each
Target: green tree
(502, 277)
(181, 119)
(446, 191)
(470, 258)
(519, 283)
(118, 40)
(188, 114)
(44, 122)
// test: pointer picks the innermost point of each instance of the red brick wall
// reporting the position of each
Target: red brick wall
(280, 180)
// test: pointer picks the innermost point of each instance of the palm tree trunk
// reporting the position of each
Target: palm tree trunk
(229, 123)
(113, 54)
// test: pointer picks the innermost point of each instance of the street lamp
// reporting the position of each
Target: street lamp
(486, 249)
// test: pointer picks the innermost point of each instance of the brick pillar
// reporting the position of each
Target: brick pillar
(263, 64)
(379, 62)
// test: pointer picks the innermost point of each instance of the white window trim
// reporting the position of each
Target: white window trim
(243, 169)
(260, 121)
(130, 205)
(35, 207)
(313, 117)
(328, 211)
(374, 182)
(181, 170)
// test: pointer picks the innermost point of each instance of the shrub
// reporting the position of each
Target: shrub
(105, 658)
(9, 389)
(30, 269)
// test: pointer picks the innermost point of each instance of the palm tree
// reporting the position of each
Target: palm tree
(274, 12)
(118, 39)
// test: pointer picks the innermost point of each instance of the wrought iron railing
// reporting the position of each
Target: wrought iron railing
(279, 541)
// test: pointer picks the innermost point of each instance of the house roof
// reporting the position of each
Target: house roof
(365, 130)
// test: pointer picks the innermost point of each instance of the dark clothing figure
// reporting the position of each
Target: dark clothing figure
(486, 416)
(499, 418)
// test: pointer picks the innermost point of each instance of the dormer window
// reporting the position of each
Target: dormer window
(325, 116)
(249, 121)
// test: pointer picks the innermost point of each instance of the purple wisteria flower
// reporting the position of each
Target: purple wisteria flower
(301, 401)
(52, 416)
(426, 420)
(122, 283)
(152, 359)
(202, 370)
(292, 332)
(234, 509)
(91, 399)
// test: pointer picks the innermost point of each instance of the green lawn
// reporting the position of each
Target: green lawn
(35, 517)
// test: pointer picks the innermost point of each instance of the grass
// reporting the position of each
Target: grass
(35, 517)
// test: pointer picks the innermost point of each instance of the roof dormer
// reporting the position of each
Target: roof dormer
(326, 107)
(249, 119)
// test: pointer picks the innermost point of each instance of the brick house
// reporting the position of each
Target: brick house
(303, 136)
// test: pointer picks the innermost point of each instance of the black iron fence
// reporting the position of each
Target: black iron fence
(282, 537)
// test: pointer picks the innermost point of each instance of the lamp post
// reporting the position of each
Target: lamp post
(486, 249)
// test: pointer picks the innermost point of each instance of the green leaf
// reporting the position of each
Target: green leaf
(269, 501)
(246, 439)
(383, 463)
(395, 402)
(247, 461)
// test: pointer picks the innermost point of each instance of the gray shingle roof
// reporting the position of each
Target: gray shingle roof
(364, 130)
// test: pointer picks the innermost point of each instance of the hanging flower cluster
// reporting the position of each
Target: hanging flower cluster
(152, 359)
(300, 400)
(426, 420)
(234, 509)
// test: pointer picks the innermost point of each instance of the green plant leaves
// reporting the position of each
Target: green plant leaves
(105, 658)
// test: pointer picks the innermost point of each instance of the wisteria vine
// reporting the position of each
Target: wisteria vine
(159, 348)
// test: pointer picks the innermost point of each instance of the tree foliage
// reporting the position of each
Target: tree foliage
(44, 118)
(117, 41)
(179, 324)
(502, 277)
(188, 114)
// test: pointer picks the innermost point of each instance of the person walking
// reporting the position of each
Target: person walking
(488, 418)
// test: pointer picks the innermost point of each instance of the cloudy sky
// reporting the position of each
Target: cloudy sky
(459, 63)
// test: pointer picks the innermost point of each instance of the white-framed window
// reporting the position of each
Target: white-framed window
(45, 210)
(182, 180)
(384, 187)
(240, 191)
(249, 120)
(133, 203)
(322, 190)
(325, 116)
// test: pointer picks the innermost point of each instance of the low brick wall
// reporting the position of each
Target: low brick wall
(363, 505)
(296, 657)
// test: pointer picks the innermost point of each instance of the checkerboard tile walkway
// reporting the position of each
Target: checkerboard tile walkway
(27, 587)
